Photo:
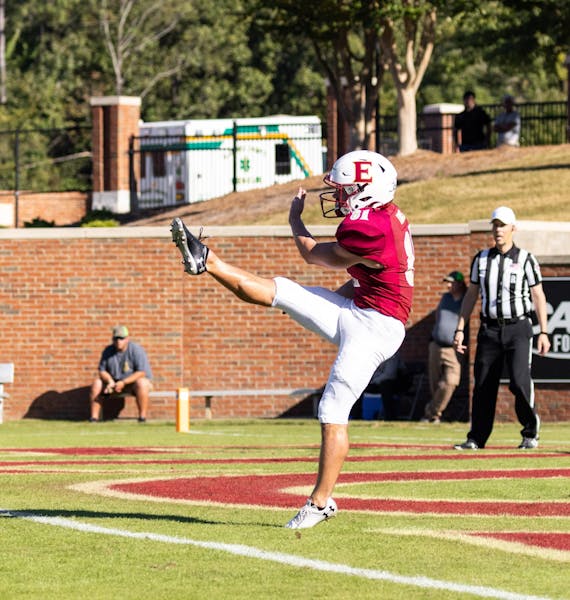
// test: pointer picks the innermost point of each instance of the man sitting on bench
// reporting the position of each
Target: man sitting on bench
(123, 369)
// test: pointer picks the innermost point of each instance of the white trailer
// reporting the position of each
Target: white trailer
(189, 161)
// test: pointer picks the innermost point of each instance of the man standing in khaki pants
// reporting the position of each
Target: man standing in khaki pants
(444, 364)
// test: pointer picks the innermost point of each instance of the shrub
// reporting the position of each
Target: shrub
(39, 222)
(99, 218)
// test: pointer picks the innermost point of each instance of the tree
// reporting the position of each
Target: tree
(132, 29)
(356, 41)
(344, 38)
(479, 50)
(234, 67)
(408, 38)
(229, 58)
(49, 62)
(530, 27)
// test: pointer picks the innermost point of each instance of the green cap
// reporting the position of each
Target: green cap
(120, 331)
(454, 276)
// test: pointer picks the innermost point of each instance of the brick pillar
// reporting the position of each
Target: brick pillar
(438, 125)
(115, 119)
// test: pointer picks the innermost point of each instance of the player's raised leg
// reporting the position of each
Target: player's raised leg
(198, 258)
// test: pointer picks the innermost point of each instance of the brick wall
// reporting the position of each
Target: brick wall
(63, 208)
(62, 290)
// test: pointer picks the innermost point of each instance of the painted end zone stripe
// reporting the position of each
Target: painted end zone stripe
(555, 541)
(279, 557)
(271, 490)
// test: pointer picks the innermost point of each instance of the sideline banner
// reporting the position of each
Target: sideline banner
(555, 366)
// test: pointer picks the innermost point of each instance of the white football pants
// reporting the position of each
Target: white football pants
(365, 339)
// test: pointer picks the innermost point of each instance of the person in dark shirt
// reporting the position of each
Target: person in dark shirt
(123, 369)
(472, 127)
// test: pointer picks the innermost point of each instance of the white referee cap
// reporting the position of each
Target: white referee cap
(505, 215)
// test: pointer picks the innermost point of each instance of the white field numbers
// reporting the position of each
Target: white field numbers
(408, 243)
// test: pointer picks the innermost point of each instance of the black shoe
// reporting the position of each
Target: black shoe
(194, 253)
(528, 443)
(467, 445)
(141, 420)
(93, 420)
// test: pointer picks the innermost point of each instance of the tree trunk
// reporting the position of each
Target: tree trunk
(3, 95)
(407, 121)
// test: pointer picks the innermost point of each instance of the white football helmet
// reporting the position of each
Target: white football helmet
(360, 178)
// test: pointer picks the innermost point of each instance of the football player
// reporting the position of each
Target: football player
(365, 317)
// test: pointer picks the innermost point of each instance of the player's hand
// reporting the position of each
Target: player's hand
(458, 344)
(298, 203)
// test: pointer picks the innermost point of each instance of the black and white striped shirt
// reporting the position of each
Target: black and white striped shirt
(505, 281)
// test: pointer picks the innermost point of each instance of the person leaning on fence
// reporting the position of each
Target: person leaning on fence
(472, 126)
(365, 317)
(123, 369)
(508, 124)
(444, 366)
(509, 281)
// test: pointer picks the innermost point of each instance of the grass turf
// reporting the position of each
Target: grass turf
(45, 467)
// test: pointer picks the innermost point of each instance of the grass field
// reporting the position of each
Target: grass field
(123, 510)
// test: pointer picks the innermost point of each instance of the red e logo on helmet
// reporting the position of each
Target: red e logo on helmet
(361, 172)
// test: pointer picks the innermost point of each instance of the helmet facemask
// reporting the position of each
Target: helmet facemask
(341, 196)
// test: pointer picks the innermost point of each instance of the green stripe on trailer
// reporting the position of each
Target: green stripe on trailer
(202, 145)
(253, 129)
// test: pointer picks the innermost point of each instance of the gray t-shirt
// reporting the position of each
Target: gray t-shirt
(122, 364)
(446, 318)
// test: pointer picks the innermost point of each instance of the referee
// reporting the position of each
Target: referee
(509, 282)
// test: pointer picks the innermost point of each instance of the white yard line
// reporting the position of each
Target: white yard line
(278, 557)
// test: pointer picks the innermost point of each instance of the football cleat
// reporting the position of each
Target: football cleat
(194, 253)
(311, 515)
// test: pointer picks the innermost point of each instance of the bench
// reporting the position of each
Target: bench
(209, 394)
(6, 376)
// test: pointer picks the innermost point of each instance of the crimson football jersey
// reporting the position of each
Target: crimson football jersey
(383, 235)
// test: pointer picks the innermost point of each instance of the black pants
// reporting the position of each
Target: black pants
(510, 345)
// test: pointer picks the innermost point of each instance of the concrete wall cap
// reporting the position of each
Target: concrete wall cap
(443, 108)
(115, 101)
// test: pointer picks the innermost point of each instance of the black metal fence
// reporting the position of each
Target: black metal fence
(45, 160)
(542, 123)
